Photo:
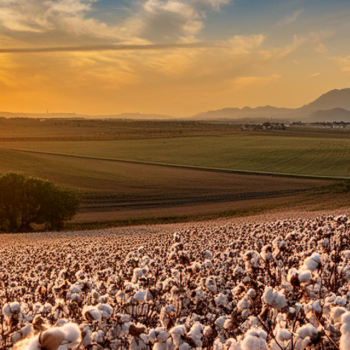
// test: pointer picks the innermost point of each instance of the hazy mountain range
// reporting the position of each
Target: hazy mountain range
(332, 106)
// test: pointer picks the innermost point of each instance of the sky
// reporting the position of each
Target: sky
(170, 57)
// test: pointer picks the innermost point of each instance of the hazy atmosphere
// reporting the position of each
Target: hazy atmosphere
(174, 175)
(170, 57)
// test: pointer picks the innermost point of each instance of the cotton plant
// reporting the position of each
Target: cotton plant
(223, 286)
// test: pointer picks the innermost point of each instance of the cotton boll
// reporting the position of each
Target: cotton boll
(6, 310)
(33, 344)
(274, 298)
(140, 295)
(98, 337)
(337, 312)
(220, 322)
(316, 306)
(75, 289)
(284, 335)
(307, 330)
(208, 254)
(243, 304)
(61, 322)
(221, 300)
(185, 346)
(60, 338)
(105, 310)
(228, 324)
(177, 333)
(251, 293)
(95, 294)
(160, 346)
(211, 284)
(11, 308)
(120, 296)
(219, 344)
(207, 264)
(71, 332)
(313, 262)
(137, 274)
(340, 301)
(301, 344)
(345, 341)
(232, 344)
(345, 332)
(16, 337)
(199, 293)
(26, 330)
(91, 312)
(304, 276)
(196, 334)
(254, 340)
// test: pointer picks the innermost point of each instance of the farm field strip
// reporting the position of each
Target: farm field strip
(122, 191)
(243, 153)
(194, 167)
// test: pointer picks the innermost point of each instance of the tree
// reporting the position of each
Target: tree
(25, 201)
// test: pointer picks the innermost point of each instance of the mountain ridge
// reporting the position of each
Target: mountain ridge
(335, 102)
(331, 101)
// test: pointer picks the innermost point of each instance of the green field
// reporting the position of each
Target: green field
(328, 157)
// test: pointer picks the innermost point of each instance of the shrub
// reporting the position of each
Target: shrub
(25, 201)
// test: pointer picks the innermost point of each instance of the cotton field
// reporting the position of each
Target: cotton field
(240, 285)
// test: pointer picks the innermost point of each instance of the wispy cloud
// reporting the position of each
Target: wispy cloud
(288, 20)
(160, 20)
(112, 47)
(343, 62)
(314, 75)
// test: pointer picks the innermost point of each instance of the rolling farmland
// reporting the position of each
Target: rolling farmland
(146, 172)
(268, 154)
(118, 191)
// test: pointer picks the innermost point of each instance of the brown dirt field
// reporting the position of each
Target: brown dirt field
(120, 191)
(184, 211)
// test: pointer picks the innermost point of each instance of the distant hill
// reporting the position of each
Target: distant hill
(39, 115)
(264, 113)
(334, 104)
(139, 116)
(335, 114)
(330, 101)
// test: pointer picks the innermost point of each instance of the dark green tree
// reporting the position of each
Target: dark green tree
(27, 201)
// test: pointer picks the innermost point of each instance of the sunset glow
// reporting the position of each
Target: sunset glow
(173, 57)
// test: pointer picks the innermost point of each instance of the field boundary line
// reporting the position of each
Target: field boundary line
(193, 167)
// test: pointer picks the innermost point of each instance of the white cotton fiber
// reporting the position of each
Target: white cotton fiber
(274, 298)
(313, 262)
(254, 339)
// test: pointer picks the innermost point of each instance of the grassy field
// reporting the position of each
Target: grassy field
(121, 191)
(258, 153)
(119, 166)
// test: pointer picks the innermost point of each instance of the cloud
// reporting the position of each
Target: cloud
(314, 75)
(243, 82)
(343, 62)
(162, 20)
(321, 48)
(39, 22)
(30, 19)
(288, 20)
(111, 47)
(244, 43)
